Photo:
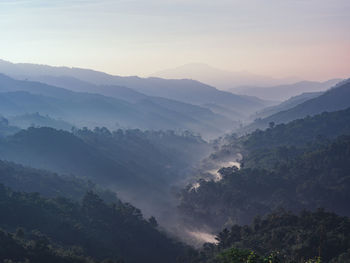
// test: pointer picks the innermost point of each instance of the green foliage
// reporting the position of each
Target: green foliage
(283, 237)
(316, 260)
(14, 249)
(296, 166)
(49, 184)
(235, 255)
(301, 132)
(132, 160)
(319, 178)
(295, 237)
(99, 230)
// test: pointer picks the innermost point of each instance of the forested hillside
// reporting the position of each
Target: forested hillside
(104, 155)
(282, 237)
(49, 184)
(295, 166)
(63, 230)
(142, 167)
(298, 133)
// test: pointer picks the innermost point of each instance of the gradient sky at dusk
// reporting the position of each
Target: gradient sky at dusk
(305, 38)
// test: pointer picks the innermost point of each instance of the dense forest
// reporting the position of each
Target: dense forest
(25, 179)
(102, 154)
(301, 131)
(142, 166)
(294, 166)
(317, 178)
(282, 237)
(44, 229)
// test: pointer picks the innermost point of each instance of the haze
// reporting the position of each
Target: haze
(292, 38)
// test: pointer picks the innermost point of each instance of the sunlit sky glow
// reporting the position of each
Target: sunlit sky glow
(305, 38)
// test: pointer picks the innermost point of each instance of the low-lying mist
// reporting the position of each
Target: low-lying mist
(144, 168)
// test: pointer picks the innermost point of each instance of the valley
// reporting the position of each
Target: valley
(102, 166)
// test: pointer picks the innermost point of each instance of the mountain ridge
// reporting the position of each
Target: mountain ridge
(189, 91)
(22, 97)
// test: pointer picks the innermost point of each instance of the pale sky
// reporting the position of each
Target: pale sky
(309, 39)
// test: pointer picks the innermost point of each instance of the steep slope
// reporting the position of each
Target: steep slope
(299, 133)
(286, 105)
(334, 99)
(302, 131)
(337, 98)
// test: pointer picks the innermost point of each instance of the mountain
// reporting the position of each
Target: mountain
(142, 167)
(141, 99)
(300, 165)
(313, 130)
(63, 230)
(78, 85)
(185, 90)
(284, 92)
(337, 98)
(25, 179)
(222, 79)
(286, 105)
(134, 97)
(20, 97)
(327, 125)
(59, 151)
